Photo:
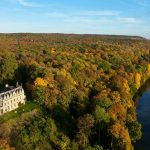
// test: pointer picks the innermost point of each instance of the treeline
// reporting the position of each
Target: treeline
(84, 86)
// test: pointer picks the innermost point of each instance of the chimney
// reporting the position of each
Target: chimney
(6, 85)
(17, 84)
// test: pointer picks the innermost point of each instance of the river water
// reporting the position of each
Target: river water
(143, 112)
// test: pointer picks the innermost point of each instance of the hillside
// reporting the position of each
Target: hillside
(79, 89)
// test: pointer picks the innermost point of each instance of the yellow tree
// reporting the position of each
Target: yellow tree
(40, 82)
(39, 90)
(148, 70)
(126, 86)
(137, 79)
(115, 96)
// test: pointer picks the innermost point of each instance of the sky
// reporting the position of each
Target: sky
(119, 17)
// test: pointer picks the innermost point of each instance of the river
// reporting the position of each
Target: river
(143, 113)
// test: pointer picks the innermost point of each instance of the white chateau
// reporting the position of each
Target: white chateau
(11, 97)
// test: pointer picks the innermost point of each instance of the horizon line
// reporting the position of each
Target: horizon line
(69, 33)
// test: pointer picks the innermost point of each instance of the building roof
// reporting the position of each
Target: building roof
(9, 89)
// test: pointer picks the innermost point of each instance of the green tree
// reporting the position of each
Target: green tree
(134, 130)
(85, 124)
(8, 67)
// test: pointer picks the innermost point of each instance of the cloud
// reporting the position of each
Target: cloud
(87, 17)
(98, 13)
(85, 14)
(84, 20)
(26, 3)
(102, 21)
(129, 20)
(95, 17)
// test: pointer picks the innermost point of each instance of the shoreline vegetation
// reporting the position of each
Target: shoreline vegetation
(141, 90)
(80, 90)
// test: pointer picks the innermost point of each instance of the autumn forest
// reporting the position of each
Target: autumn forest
(80, 90)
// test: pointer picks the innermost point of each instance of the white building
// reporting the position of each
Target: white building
(11, 97)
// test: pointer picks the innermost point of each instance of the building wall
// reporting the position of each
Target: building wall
(11, 100)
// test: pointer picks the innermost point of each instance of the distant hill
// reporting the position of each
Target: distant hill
(83, 35)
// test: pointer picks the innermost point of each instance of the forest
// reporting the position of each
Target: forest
(80, 90)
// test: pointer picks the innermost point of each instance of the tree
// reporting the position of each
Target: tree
(115, 97)
(40, 82)
(105, 65)
(134, 131)
(137, 80)
(120, 137)
(85, 124)
(148, 70)
(8, 67)
(39, 90)
(100, 114)
(101, 121)
(5, 146)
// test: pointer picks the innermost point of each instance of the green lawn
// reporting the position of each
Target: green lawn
(29, 106)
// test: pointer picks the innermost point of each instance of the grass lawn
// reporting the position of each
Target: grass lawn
(29, 106)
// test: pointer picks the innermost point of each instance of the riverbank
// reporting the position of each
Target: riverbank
(140, 91)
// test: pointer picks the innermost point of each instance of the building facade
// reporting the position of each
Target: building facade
(11, 97)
